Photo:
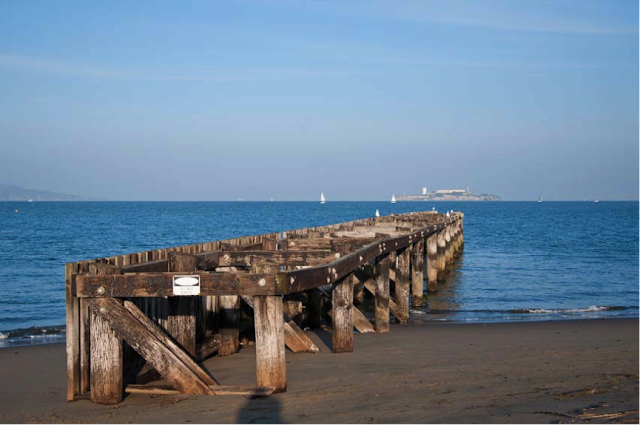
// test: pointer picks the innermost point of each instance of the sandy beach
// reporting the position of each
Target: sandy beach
(540, 372)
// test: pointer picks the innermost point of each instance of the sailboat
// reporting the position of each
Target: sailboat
(322, 200)
(539, 199)
(377, 213)
(393, 198)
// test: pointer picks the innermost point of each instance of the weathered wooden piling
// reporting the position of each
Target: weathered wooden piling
(106, 351)
(441, 262)
(382, 294)
(432, 263)
(342, 315)
(271, 365)
(403, 282)
(181, 320)
(417, 273)
(134, 302)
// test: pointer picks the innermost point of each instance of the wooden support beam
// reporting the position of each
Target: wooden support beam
(370, 284)
(73, 334)
(247, 391)
(417, 274)
(181, 321)
(257, 246)
(161, 284)
(211, 260)
(168, 342)
(403, 283)
(294, 337)
(432, 263)
(156, 353)
(107, 364)
(312, 277)
(308, 244)
(271, 366)
(448, 250)
(441, 263)
(382, 294)
(342, 315)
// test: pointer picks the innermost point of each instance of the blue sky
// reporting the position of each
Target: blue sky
(141, 100)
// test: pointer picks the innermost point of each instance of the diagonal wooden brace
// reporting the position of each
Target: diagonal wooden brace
(154, 350)
(294, 337)
(370, 285)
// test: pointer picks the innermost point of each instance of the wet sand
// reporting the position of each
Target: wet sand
(538, 372)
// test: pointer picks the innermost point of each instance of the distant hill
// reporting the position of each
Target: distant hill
(17, 193)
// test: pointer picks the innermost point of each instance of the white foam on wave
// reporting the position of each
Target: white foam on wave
(3, 336)
(590, 309)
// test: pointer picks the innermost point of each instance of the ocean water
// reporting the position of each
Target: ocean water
(521, 260)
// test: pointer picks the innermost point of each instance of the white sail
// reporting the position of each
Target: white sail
(393, 198)
(322, 200)
(377, 213)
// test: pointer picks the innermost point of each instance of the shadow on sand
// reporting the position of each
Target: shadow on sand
(265, 410)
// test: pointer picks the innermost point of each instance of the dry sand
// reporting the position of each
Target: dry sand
(545, 372)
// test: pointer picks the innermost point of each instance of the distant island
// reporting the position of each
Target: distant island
(17, 193)
(449, 195)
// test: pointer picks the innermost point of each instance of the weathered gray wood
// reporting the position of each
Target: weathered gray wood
(215, 390)
(148, 346)
(403, 283)
(370, 285)
(168, 342)
(441, 262)
(448, 250)
(417, 274)
(85, 346)
(382, 294)
(271, 366)
(294, 337)
(211, 260)
(432, 263)
(72, 334)
(312, 277)
(181, 321)
(342, 315)
(106, 363)
(360, 321)
(161, 284)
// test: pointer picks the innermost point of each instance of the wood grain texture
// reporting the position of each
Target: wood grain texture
(181, 320)
(381, 294)
(271, 367)
(72, 333)
(169, 343)
(148, 346)
(417, 274)
(106, 362)
(403, 283)
(432, 263)
(342, 316)
(441, 262)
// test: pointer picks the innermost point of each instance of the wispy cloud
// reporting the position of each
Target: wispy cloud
(498, 15)
(245, 74)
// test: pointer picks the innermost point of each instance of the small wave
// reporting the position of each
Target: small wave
(590, 309)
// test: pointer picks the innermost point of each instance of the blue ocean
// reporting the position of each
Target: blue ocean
(521, 260)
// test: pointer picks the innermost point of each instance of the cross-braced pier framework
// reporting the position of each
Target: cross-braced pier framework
(126, 328)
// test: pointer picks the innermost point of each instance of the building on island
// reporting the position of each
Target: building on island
(449, 195)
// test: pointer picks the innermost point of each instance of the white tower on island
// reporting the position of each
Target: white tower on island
(424, 190)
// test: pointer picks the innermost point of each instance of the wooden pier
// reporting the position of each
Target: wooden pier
(136, 319)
